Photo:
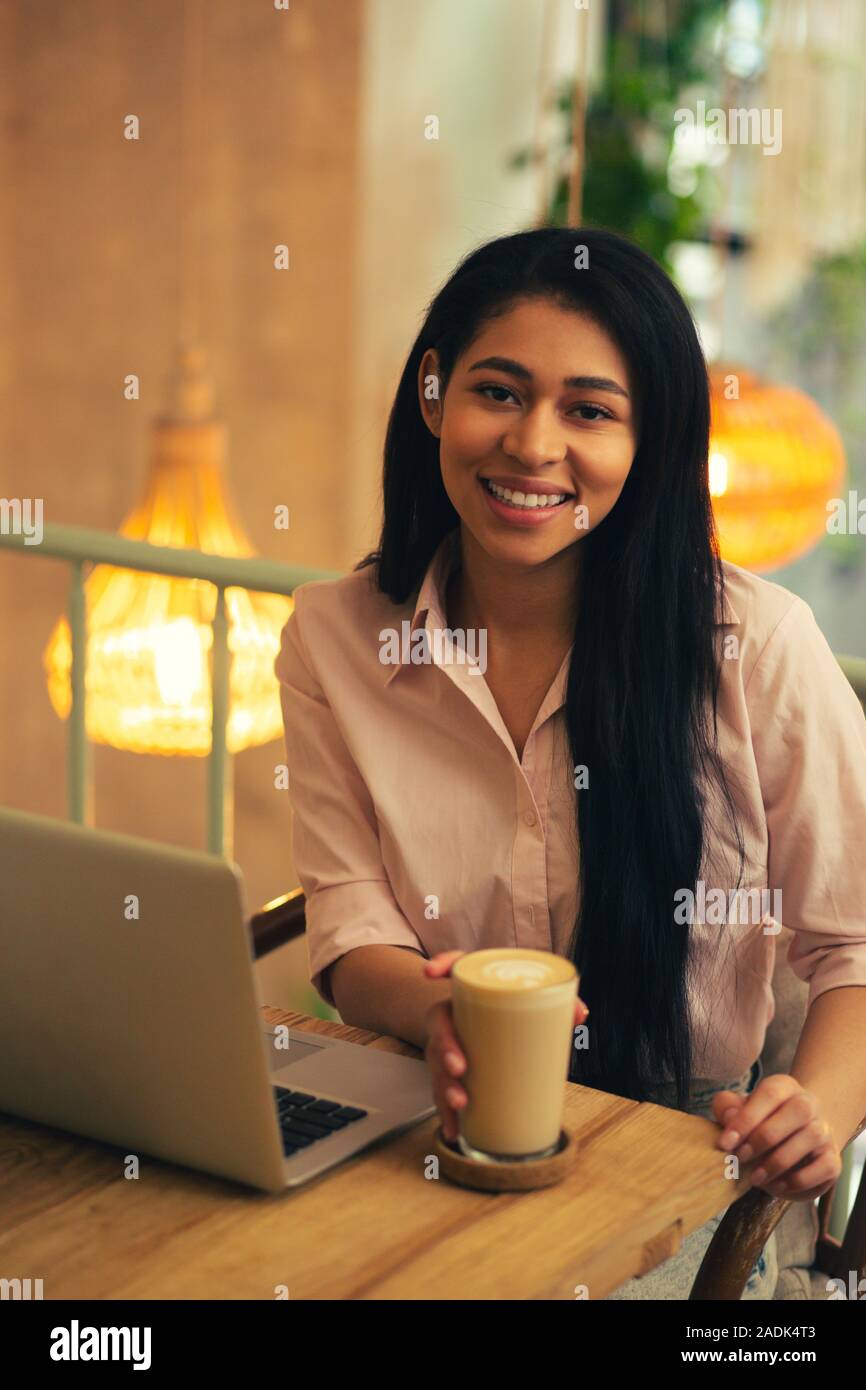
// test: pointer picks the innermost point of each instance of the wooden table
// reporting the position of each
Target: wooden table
(373, 1228)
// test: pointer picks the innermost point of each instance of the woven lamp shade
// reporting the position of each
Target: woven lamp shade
(149, 635)
(775, 461)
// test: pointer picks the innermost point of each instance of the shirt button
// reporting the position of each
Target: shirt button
(530, 817)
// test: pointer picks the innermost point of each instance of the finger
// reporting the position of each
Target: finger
(449, 1110)
(449, 1100)
(442, 1040)
(795, 1114)
(445, 1113)
(440, 964)
(821, 1171)
(810, 1195)
(808, 1142)
(448, 1095)
(725, 1105)
(768, 1095)
(581, 1010)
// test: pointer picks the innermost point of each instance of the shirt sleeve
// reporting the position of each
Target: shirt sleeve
(335, 840)
(809, 737)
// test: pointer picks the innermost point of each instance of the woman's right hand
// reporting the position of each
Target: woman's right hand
(443, 1051)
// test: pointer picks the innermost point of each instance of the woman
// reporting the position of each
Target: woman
(616, 718)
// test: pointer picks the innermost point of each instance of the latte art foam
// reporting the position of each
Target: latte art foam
(515, 974)
(507, 971)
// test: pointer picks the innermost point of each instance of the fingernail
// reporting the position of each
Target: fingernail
(453, 1063)
(730, 1139)
(453, 1097)
(760, 1175)
(745, 1153)
(729, 1114)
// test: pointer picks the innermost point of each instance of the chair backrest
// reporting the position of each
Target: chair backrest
(278, 922)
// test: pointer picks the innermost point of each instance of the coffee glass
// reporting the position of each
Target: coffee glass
(513, 1011)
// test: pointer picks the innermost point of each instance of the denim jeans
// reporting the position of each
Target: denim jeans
(674, 1278)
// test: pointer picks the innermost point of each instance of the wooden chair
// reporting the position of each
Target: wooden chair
(278, 922)
(747, 1226)
(749, 1222)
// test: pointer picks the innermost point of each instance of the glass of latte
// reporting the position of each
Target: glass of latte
(513, 1012)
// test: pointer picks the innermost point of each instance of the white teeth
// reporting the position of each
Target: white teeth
(525, 500)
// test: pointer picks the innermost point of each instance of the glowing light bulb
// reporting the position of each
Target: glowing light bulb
(718, 475)
(178, 661)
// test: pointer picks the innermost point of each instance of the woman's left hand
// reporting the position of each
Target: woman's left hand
(780, 1128)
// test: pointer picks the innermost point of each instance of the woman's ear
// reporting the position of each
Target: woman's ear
(429, 392)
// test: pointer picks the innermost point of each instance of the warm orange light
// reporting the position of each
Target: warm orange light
(775, 461)
(149, 636)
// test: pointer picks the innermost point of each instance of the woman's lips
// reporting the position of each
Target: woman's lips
(522, 516)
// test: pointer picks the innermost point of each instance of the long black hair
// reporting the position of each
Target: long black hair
(650, 581)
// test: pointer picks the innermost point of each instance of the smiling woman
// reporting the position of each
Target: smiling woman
(650, 716)
(525, 446)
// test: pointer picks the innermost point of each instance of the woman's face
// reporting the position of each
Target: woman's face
(539, 405)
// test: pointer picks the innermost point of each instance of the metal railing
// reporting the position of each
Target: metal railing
(81, 547)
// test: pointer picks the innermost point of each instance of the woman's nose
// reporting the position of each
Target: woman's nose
(536, 440)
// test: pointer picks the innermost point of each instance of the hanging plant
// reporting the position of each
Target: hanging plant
(629, 129)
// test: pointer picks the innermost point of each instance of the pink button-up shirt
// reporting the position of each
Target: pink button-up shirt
(415, 823)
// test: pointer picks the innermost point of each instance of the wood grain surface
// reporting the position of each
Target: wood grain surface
(376, 1227)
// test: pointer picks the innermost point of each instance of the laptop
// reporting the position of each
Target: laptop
(130, 1013)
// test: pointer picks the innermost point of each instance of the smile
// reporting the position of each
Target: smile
(523, 509)
(525, 499)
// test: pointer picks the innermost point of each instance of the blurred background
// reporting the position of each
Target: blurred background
(221, 225)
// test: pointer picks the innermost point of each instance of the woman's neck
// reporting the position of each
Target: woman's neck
(518, 607)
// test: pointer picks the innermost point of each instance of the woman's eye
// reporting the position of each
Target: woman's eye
(598, 412)
(482, 390)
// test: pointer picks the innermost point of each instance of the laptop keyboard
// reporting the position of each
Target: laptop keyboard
(305, 1118)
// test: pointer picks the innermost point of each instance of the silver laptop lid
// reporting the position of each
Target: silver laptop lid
(129, 1009)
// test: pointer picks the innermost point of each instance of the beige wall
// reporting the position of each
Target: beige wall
(313, 136)
(90, 241)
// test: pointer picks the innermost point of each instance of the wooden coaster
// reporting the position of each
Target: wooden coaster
(505, 1177)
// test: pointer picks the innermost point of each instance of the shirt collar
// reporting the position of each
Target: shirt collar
(430, 605)
(728, 612)
(431, 595)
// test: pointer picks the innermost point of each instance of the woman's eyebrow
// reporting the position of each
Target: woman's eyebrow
(593, 383)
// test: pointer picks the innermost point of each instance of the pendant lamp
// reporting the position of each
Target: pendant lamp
(149, 635)
(775, 461)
